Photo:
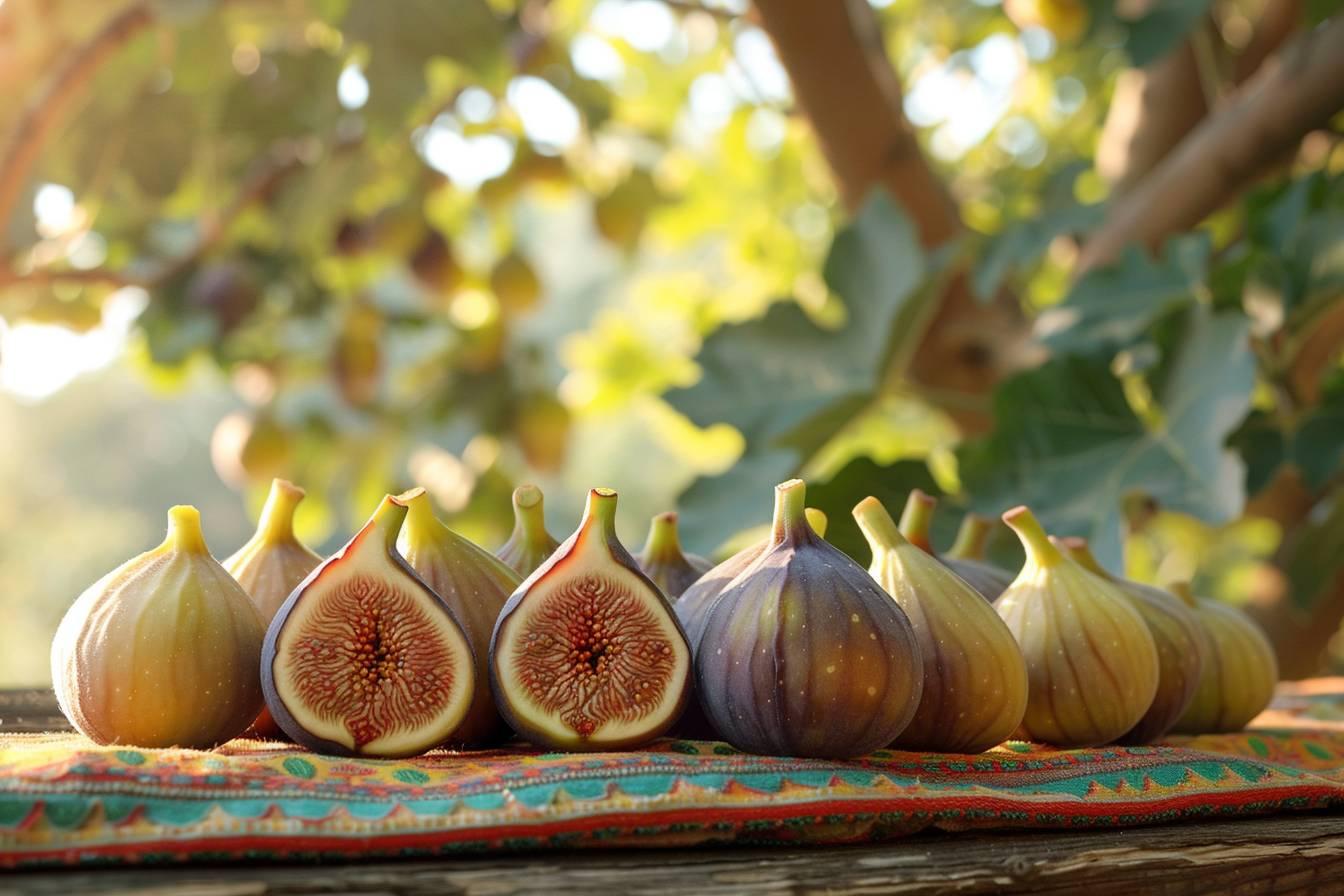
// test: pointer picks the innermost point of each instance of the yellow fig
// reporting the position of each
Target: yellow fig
(975, 680)
(1091, 663)
(530, 544)
(663, 561)
(164, 651)
(1238, 679)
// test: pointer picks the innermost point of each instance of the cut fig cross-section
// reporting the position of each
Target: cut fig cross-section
(588, 654)
(364, 659)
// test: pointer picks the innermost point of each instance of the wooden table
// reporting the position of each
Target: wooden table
(1283, 855)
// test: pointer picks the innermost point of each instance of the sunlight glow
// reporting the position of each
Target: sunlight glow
(966, 95)
(352, 88)
(595, 58)
(467, 161)
(38, 360)
(54, 208)
(549, 118)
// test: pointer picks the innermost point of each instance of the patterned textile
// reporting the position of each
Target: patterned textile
(64, 801)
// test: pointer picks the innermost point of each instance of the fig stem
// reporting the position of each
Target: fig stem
(277, 515)
(601, 508)
(916, 519)
(529, 515)
(877, 525)
(420, 518)
(1078, 549)
(391, 513)
(1039, 549)
(184, 530)
(817, 520)
(971, 538)
(790, 522)
(664, 540)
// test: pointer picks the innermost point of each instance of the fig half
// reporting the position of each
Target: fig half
(364, 659)
(587, 654)
(663, 560)
(530, 544)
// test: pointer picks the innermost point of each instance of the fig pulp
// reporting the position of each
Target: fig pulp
(1239, 675)
(663, 561)
(985, 578)
(1181, 643)
(272, 564)
(587, 653)
(530, 544)
(803, 654)
(475, 586)
(163, 651)
(975, 680)
(1091, 662)
(364, 659)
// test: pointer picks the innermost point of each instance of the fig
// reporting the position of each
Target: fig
(663, 560)
(475, 586)
(966, 557)
(803, 654)
(1239, 674)
(530, 544)
(587, 653)
(363, 658)
(515, 284)
(163, 651)
(696, 599)
(1182, 646)
(272, 564)
(916, 518)
(1091, 663)
(975, 679)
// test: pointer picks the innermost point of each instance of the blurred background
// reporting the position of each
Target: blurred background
(1083, 255)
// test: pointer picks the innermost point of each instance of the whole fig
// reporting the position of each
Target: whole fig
(530, 544)
(1182, 646)
(1091, 662)
(803, 654)
(975, 680)
(1241, 672)
(966, 557)
(163, 651)
(665, 563)
(916, 518)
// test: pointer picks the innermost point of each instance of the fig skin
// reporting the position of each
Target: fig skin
(1241, 672)
(530, 544)
(985, 578)
(663, 560)
(975, 679)
(966, 558)
(803, 654)
(369, 570)
(1182, 646)
(271, 565)
(597, 661)
(475, 586)
(163, 651)
(1091, 663)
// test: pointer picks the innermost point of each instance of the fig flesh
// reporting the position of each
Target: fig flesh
(988, 580)
(530, 544)
(271, 565)
(975, 680)
(475, 586)
(803, 654)
(664, 562)
(1240, 674)
(163, 651)
(1181, 643)
(587, 653)
(1091, 663)
(364, 659)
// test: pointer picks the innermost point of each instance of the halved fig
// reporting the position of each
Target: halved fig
(364, 659)
(587, 654)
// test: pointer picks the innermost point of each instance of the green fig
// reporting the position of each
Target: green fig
(985, 578)
(1091, 663)
(975, 680)
(803, 654)
(587, 653)
(475, 586)
(530, 544)
(665, 563)
(966, 557)
(163, 651)
(271, 565)
(1182, 646)
(364, 658)
(1240, 675)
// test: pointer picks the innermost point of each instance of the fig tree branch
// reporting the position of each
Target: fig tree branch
(1294, 92)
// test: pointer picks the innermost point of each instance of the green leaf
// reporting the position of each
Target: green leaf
(1313, 555)
(292, 94)
(1312, 443)
(1021, 244)
(159, 142)
(1165, 25)
(1069, 445)
(890, 484)
(787, 384)
(1112, 306)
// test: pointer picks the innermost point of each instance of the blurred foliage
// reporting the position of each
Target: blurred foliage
(469, 243)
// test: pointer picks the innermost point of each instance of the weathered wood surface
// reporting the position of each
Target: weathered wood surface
(1285, 855)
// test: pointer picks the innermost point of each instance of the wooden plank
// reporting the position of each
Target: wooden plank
(30, 710)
